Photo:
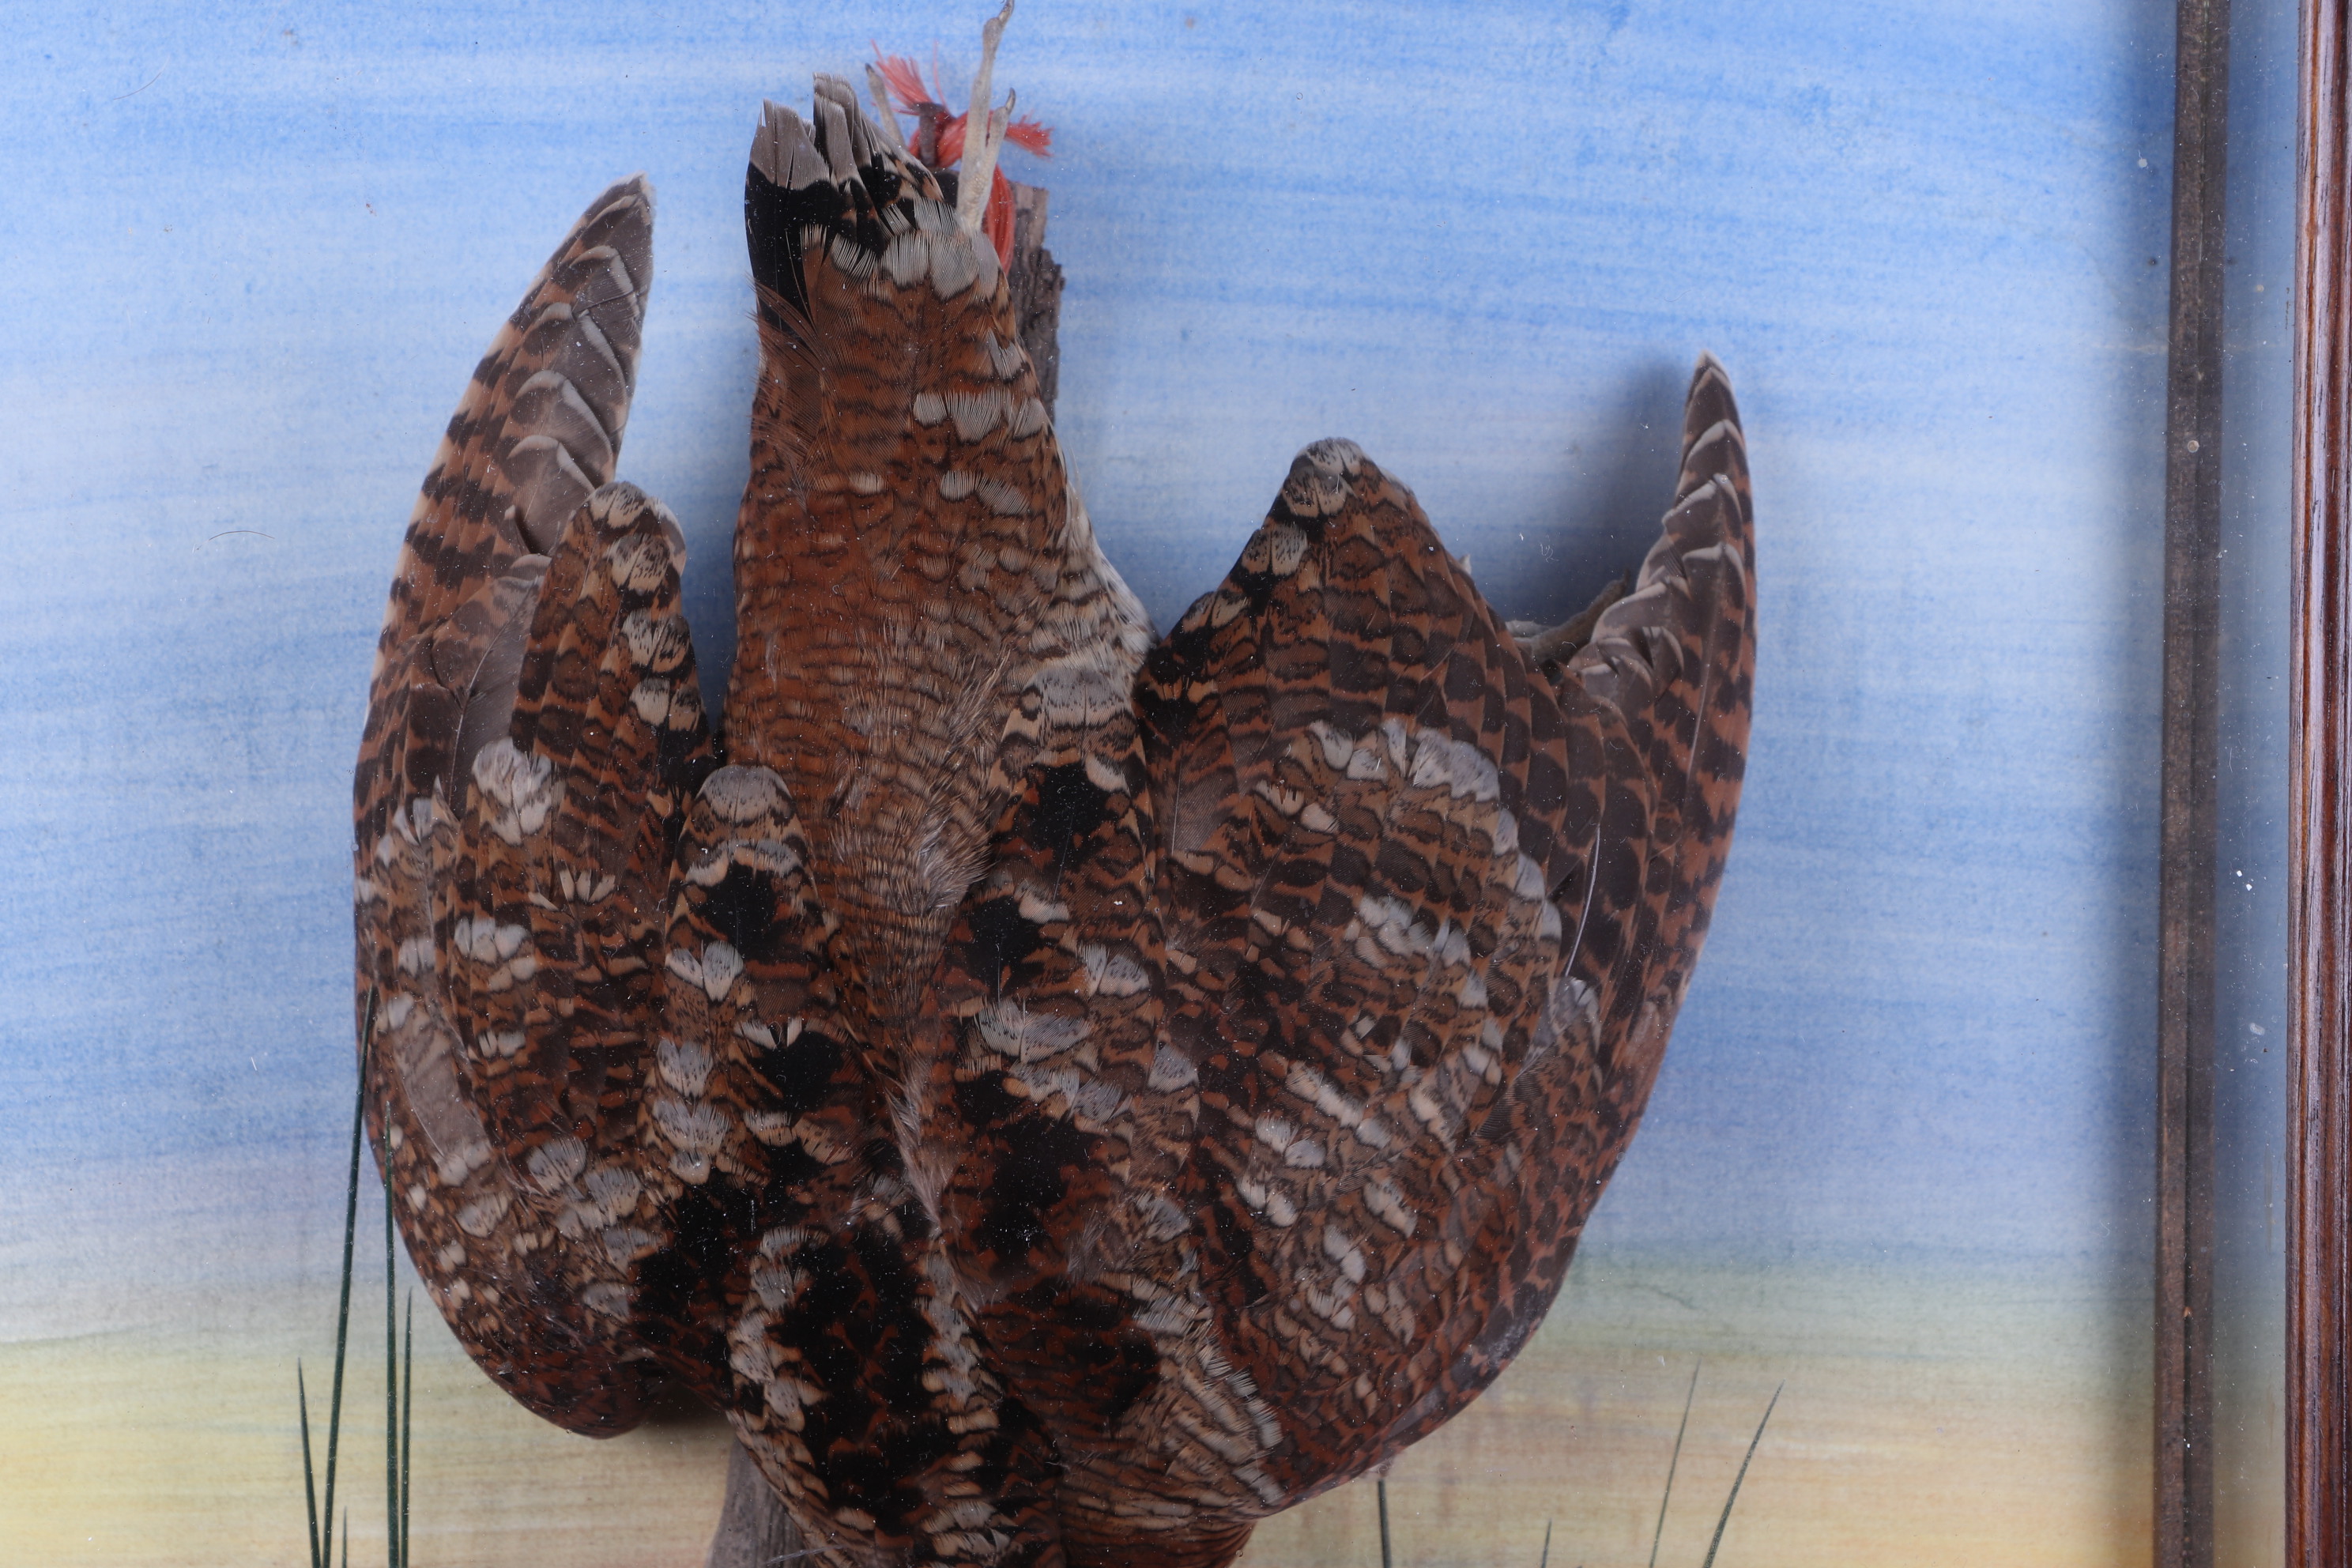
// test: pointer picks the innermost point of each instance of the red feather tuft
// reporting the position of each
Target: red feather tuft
(904, 80)
(908, 95)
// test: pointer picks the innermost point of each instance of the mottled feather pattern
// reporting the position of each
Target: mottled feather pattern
(1396, 831)
(496, 1224)
(1066, 1094)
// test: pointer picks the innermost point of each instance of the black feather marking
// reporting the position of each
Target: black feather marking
(1001, 937)
(802, 1072)
(773, 217)
(1070, 806)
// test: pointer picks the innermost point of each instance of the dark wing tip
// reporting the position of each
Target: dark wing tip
(581, 344)
(1712, 441)
(1689, 622)
(539, 424)
(621, 220)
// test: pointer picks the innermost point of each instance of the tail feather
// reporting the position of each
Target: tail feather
(834, 184)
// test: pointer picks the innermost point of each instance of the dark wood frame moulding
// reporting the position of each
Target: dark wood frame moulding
(2186, 865)
(2319, 1021)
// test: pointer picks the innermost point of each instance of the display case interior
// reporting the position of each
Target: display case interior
(1876, 1278)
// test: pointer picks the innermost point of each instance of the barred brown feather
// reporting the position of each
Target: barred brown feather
(1065, 1096)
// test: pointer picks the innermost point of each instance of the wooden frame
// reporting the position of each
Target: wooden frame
(2319, 1027)
(2191, 775)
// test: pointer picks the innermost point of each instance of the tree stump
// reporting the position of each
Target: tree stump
(1036, 281)
(754, 1531)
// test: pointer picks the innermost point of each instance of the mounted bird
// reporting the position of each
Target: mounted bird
(1065, 1093)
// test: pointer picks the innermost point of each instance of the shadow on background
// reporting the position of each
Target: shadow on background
(1602, 516)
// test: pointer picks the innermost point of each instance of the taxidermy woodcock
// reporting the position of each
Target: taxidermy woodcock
(1065, 1093)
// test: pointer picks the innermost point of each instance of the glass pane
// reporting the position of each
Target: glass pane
(2250, 1100)
(1893, 1186)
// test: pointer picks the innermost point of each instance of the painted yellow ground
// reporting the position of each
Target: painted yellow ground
(1931, 1416)
(1928, 1416)
(124, 1449)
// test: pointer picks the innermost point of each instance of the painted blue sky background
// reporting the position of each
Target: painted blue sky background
(253, 253)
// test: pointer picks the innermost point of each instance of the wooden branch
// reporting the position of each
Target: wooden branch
(2319, 942)
(754, 1531)
(1036, 279)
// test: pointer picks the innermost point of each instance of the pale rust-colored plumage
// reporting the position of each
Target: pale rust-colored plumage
(1066, 1094)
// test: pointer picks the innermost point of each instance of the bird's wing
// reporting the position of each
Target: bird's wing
(534, 734)
(1427, 912)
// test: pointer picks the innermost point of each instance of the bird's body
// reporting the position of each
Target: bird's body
(1065, 1093)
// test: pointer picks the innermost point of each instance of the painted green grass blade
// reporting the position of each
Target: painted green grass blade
(350, 1236)
(1381, 1491)
(309, 1483)
(1668, 1496)
(408, 1410)
(1739, 1478)
(390, 1400)
(343, 1304)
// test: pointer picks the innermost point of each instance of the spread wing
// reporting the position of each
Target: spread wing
(1385, 838)
(1320, 1003)
(533, 733)
(1302, 1015)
